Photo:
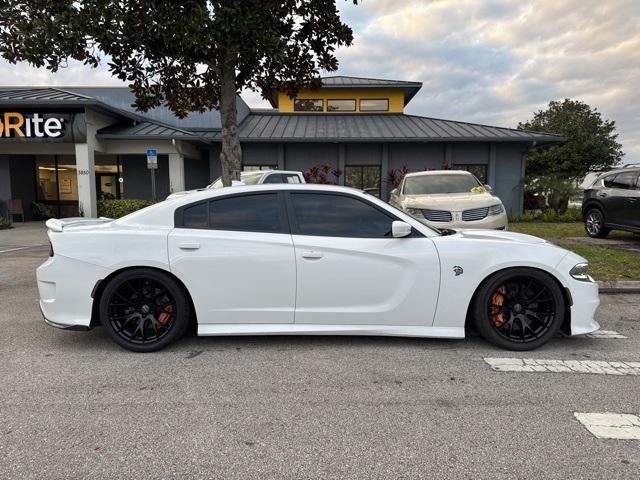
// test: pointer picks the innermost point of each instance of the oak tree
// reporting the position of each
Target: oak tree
(591, 141)
(190, 55)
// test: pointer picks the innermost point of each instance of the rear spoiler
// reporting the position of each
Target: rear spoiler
(58, 224)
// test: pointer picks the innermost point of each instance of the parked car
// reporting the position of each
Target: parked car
(257, 177)
(306, 260)
(450, 199)
(612, 202)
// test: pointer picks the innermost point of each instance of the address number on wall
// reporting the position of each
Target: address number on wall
(83, 172)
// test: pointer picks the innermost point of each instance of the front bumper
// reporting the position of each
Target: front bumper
(584, 295)
(492, 222)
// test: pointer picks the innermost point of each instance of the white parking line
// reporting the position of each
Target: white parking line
(623, 426)
(598, 367)
(13, 249)
(605, 334)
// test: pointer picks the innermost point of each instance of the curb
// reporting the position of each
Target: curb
(619, 287)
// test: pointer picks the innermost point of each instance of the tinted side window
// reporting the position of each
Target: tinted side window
(195, 216)
(338, 216)
(250, 213)
(625, 181)
(273, 178)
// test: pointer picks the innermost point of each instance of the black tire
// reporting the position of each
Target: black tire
(594, 223)
(519, 309)
(144, 310)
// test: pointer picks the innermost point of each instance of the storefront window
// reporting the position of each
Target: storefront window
(57, 185)
(363, 177)
(47, 179)
(480, 171)
(341, 105)
(374, 105)
(307, 105)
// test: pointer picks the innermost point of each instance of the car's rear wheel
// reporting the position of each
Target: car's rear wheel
(519, 309)
(594, 223)
(144, 310)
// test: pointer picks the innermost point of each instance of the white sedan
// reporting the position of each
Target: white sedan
(306, 259)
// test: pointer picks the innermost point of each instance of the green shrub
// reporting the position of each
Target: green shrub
(550, 215)
(122, 207)
(528, 216)
(5, 223)
(43, 211)
(571, 215)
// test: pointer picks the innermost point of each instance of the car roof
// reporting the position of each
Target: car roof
(438, 172)
(211, 193)
(633, 169)
(256, 172)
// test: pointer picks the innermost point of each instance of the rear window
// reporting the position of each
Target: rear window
(246, 213)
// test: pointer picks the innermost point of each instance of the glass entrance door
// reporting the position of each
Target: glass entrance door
(107, 186)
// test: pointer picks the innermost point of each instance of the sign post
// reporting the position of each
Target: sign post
(152, 165)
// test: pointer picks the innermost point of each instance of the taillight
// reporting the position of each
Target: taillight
(50, 249)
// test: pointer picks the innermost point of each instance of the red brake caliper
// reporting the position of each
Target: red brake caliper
(164, 317)
(497, 300)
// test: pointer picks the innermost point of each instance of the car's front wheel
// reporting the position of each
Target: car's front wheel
(144, 310)
(594, 224)
(519, 309)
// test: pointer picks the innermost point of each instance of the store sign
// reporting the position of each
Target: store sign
(36, 125)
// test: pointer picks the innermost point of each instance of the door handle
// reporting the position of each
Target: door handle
(189, 246)
(312, 255)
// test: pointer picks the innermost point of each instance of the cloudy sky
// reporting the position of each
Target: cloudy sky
(487, 61)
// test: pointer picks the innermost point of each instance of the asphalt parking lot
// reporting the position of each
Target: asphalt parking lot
(74, 405)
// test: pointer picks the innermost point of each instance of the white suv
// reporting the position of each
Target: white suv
(449, 199)
(256, 177)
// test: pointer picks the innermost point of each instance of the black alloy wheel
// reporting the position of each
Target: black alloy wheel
(594, 224)
(144, 310)
(519, 309)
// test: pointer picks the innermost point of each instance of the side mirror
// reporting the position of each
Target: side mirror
(400, 229)
(488, 187)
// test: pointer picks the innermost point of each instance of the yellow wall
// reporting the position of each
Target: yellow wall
(395, 96)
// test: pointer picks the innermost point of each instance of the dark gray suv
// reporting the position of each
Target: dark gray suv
(612, 202)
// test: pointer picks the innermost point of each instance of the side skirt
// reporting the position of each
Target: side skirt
(303, 329)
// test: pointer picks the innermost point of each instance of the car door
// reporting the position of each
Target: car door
(621, 203)
(351, 271)
(235, 256)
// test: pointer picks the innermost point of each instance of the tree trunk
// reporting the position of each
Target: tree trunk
(231, 154)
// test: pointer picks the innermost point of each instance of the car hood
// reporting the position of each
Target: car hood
(499, 235)
(450, 201)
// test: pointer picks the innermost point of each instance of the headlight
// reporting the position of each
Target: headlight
(580, 272)
(496, 209)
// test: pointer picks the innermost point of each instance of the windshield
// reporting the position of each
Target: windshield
(437, 184)
(248, 178)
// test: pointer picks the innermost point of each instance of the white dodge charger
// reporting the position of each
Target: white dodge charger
(306, 259)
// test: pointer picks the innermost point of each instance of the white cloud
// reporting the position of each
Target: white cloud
(491, 61)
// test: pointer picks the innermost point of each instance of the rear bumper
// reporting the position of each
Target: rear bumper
(65, 287)
(79, 328)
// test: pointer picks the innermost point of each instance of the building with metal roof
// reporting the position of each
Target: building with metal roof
(62, 148)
